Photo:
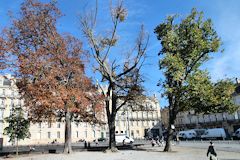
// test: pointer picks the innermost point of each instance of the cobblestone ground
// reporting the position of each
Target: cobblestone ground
(144, 153)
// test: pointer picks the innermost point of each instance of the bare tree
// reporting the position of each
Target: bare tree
(123, 79)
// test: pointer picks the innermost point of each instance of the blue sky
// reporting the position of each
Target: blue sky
(224, 14)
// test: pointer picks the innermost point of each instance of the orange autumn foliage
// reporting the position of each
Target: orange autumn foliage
(50, 66)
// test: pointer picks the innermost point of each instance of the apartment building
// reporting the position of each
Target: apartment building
(44, 132)
(9, 98)
(230, 122)
(142, 121)
(165, 117)
(137, 123)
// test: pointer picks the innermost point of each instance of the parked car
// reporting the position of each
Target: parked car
(214, 133)
(102, 139)
(189, 134)
(199, 132)
(81, 140)
(236, 134)
(122, 138)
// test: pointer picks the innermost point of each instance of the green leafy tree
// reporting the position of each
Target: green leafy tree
(186, 45)
(18, 126)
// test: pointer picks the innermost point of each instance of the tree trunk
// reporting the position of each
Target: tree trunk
(168, 147)
(111, 113)
(172, 117)
(112, 139)
(68, 138)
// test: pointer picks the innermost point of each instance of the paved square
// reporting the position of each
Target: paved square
(144, 153)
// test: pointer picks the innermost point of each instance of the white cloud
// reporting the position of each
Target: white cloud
(228, 23)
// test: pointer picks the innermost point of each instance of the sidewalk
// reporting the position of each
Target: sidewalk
(143, 153)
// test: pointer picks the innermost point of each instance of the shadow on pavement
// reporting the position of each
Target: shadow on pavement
(228, 159)
(103, 148)
(160, 150)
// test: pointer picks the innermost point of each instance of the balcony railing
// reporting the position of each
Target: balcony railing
(144, 119)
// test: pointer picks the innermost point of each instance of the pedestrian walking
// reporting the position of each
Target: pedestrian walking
(211, 152)
(96, 142)
(162, 141)
(31, 148)
(157, 141)
(153, 142)
(177, 139)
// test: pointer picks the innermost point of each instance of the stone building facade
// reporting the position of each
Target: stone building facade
(165, 117)
(190, 120)
(143, 121)
(44, 132)
(137, 123)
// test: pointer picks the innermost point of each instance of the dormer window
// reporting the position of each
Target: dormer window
(6, 82)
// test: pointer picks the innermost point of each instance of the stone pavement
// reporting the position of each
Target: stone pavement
(143, 153)
(231, 146)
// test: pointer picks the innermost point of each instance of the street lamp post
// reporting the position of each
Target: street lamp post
(128, 127)
(127, 122)
(1, 127)
(190, 118)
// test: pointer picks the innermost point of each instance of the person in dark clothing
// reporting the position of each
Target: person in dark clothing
(212, 152)
(153, 142)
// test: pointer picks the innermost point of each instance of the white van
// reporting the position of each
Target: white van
(236, 134)
(199, 132)
(189, 134)
(122, 138)
(214, 133)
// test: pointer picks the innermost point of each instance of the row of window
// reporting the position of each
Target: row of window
(117, 132)
(137, 133)
(149, 105)
(118, 123)
(139, 115)
(12, 102)
(5, 82)
(50, 125)
(77, 135)
(58, 135)
(7, 92)
(136, 123)
(208, 118)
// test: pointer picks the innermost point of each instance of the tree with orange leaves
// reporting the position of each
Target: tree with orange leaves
(50, 68)
(2, 53)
